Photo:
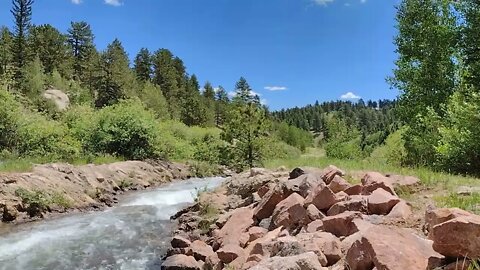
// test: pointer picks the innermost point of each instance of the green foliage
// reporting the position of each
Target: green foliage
(35, 79)
(342, 149)
(293, 136)
(153, 99)
(393, 151)
(274, 149)
(36, 201)
(10, 113)
(203, 169)
(469, 203)
(126, 129)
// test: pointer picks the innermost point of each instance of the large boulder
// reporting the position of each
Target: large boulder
(393, 249)
(266, 206)
(436, 216)
(342, 224)
(381, 202)
(304, 184)
(458, 237)
(330, 172)
(230, 252)
(322, 197)
(401, 210)
(372, 181)
(314, 226)
(339, 184)
(353, 203)
(326, 243)
(180, 262)
(298, 262)
(290, 212)
(239, 222)
(313, 212)
(180, 242)
(59, 98)
(299, 171)
(255, 233)
(354, 190)
(201, 251)
(402, 182)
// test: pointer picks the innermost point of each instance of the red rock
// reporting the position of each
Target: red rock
(458, 237)
(374, 180)
(327, 243)
(263, 190)
(341, 196)
(314, 226)
(354, 203)
(381, 202)
(339, 184)
(213, 263)
(180, 262)
(255, 233)
(266, 206)
(180, 242)
(354, 190)
(239, 222)
(290, 212)
(342, 224)
(304, 184)
(392, 249)
(297, 172)
(436, 216)
(313, 212)
(322, 197)
(400, 181)
(401, 210)
(330, 172)
(201, 251)
(229, 252)
(303, 261)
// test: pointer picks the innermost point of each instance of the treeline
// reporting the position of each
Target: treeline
(438, 74)
(346, 129)
(151, 108)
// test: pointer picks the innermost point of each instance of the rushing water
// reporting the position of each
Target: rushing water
(132, 235)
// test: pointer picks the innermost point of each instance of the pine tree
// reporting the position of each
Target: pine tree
(245, 128)
(49, 45)
(116, 75)
(5, 55)
(80, 38)
(221, 106)
(209, 105)
(193, 108)
(153, 98)
(22, 12)
(470, 47)
(143, 65)
(34, 81)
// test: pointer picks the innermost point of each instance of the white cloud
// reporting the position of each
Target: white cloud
(264, 101)
(323, 2)
(275, 88)
(115, 3)
(77, 2)
(363, 1)
(350, 95)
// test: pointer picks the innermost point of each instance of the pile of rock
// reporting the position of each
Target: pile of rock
(316, 219)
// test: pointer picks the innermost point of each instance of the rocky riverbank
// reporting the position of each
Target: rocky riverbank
(316, 219)
(53, 189)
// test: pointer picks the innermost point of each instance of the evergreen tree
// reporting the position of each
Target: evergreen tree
(5, 55)
(34, 81)
(116, 71)
(165, 75)
(209, 105)
(143, 65)
(22, 13)
(245, 128)
(80, 38)
(193, 108)
(221, 106)
(49, 45)
(470, 46)
(153, 99)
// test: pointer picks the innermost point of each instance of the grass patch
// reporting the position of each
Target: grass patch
(470, 203)
(16, 166)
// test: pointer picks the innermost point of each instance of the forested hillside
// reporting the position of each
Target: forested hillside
(151, 108)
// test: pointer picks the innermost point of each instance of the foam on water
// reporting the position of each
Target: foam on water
(133, 235)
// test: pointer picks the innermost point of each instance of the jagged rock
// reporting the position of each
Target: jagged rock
(290, 212)
(298, 262)
(322, 197)
(401, 210)
(180, 262)
(313, 212)
(339, 184)
(342, 224)
(239, 222)
(266, 206)
(255, 233)
(314, 226)
(201, 251)
(371, 181)
(304, 184)
(180, 242)
(381, 202)
(354, 203)
(330, 172)
(458, 237)
(297, 172)
(9, 212)
(213, 263)
(263, 190)
(354, 190)
(230, 252)
(326, 243)
(392, 249)
(244, 186)
(436, 216)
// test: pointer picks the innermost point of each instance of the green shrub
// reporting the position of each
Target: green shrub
(39, 137)
(393, 151)
(36, 201)
(10, 113)
(125, 129)
(341, 149)
(279, 150)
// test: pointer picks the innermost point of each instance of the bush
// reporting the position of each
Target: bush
(393, 151)
(10, 113)
(341, 149)
(125, 129)
(39, 137)
(279, 150)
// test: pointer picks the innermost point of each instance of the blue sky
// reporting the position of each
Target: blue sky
(292, 52)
